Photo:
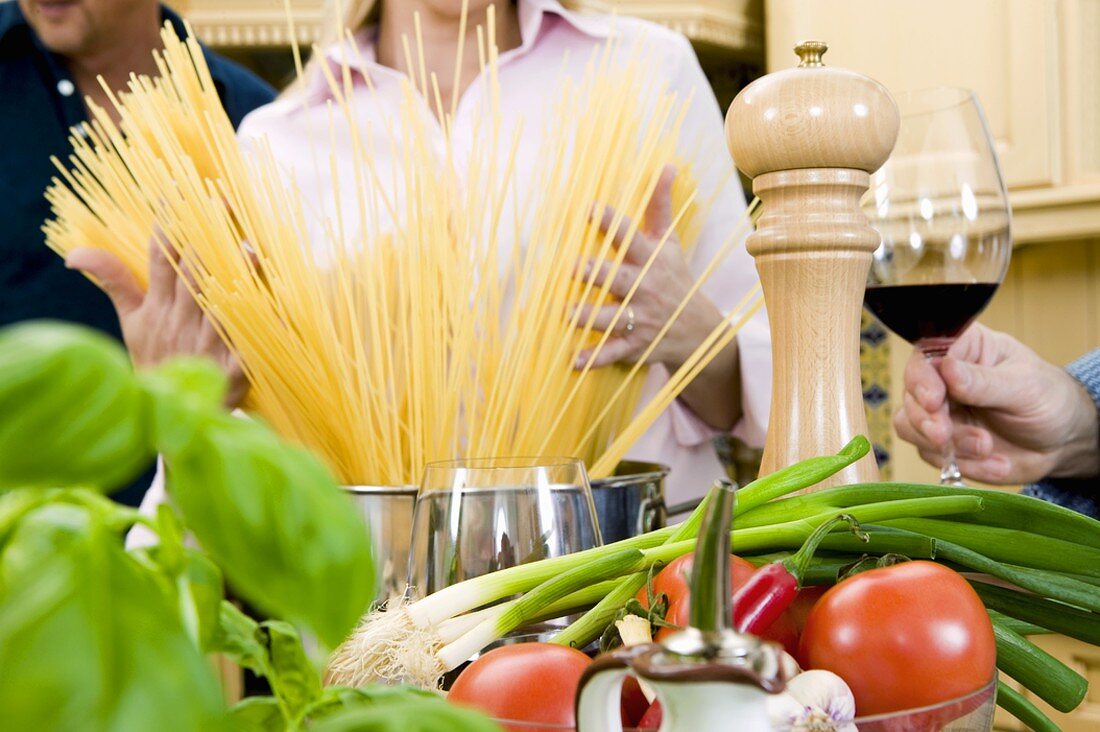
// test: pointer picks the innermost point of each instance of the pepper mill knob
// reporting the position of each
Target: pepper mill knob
(811, 52)
(810, 137)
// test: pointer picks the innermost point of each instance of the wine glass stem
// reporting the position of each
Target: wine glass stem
(949, 473)
(949, 470)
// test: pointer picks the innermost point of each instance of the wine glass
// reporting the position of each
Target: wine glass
(473, 517)
(941, 207)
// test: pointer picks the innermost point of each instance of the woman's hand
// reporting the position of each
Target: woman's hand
(163, 322)
(660, 292)
(715, 394)
(1026, 419)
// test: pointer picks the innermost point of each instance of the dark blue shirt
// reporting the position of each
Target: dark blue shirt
(38, 105)
(1080, 494)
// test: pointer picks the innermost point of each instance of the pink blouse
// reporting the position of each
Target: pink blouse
(556, 44)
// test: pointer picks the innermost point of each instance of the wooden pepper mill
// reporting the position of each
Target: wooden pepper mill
(810, 137)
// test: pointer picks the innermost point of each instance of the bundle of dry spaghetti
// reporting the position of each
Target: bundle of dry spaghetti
(434, 317)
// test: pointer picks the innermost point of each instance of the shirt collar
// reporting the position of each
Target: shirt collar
(361, 57)
(532, 15)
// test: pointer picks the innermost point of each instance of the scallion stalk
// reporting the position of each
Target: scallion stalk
(794, 533)
(799, 476)
(1022, 709)
(1054, 616)
(1016, 626)
(1011, 546)
(1004, 509)
(586, 628)
(521, 611)
(1050, 679)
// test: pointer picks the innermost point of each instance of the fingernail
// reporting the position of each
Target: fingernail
(579, 363)
(970, 446)
(929, 428)
(921, 393)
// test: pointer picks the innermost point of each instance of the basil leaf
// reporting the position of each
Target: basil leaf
(207, 590)
(408, 715)
(272, 517)
(239, 639)
(89, 639)
(272, 649)
(337, 699)
(258, 714)
(73, 413)
(294, 680)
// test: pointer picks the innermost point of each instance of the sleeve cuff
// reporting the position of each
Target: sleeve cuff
(1076, 494)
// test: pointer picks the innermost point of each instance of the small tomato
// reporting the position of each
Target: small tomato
(524, 682)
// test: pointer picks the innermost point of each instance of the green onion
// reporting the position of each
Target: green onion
(1054, 616)
(521, 611)
(1019, 707)
(799, 476)
(1050, 679)
(589, 626)
(1011, 546)
(791, 535)
(1048, 584)
(1017, 626)
(1004, 509)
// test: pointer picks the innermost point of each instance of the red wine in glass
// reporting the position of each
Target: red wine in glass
(930, 316)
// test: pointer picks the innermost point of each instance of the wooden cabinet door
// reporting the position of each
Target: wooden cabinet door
(1007, 51)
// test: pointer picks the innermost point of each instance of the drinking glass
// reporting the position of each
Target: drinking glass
(941, 207)
(473, 517)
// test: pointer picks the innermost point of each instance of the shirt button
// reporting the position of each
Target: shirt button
(66, 88)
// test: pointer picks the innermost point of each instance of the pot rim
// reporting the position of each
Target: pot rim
(390, 490)
(646, 471)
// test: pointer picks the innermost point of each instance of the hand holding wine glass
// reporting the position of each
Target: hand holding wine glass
(1029, 419)
(941, 207)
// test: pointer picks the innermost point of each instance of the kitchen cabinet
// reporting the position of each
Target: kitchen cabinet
(1031, 63)
(729, 27)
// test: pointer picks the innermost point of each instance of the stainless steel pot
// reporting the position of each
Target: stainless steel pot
(388, 511)
(629, 503)
(632, 501)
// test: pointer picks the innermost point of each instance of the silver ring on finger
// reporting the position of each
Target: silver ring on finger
(630, 325)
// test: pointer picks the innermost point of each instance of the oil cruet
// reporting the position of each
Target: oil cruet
(706, 676)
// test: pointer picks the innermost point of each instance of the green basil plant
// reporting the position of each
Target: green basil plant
(96, 637)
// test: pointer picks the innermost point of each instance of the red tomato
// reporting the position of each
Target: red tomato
(905, 636)
(652, 718)
(787, 628)
(525, 682)
(673, 579)
(632, 703)
(799, 611)
(679, 613)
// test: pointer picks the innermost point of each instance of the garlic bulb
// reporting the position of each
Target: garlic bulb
(789, 666)
(815, 701)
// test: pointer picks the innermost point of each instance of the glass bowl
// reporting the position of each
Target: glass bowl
(969, 713)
